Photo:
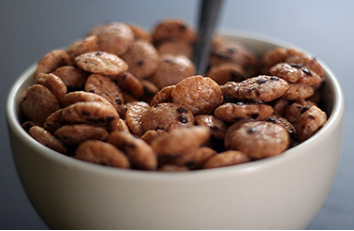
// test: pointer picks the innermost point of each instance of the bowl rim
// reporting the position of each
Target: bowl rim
(333, 120)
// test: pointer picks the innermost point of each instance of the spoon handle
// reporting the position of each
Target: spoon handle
(208, 14)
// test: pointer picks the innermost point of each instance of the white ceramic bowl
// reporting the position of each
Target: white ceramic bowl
(282, 192)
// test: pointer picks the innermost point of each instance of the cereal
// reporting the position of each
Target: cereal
(126, 97)
(232, 112)
(114, 38)
(78, 133)
(227, 158)
(199, 94)
(99, 152)
(181, 141)
(259, 139)
(167, 116)
(38, 103)
(52, 61)
(103, 63)
(217, 126)
(47, 139)
(139, 153)
(171, 70)
(262, 88)
(142, 59)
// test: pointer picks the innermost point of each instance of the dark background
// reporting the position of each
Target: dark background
(31, 28)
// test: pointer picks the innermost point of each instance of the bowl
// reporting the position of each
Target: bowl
(281, 192)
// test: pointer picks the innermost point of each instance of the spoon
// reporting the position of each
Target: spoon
(208, 14)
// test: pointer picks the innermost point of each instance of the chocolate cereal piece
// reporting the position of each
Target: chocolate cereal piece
(298, 91)
(151, 135)
(114, 37)
(176, 47)
(88, 44)
(38, 103)
(171, 70)
(163, 96)
(310, 122)
(173, 29)
(232, 112)
(78, 133)
(259, 139)
(52, 61)
(262, 88)
(181, 141)
(134, 117)
(142, 59)
(167, 116)
(105, 87)
(226, 72)
(82, 96)
(54, 84)
(47, 139)
(217, 126)
(129, 83)
(199, 94)
(98, 152)
(139, 153)
(227, 158)
(140, 33)
(282, 121)
(196, 158)
(99, 62)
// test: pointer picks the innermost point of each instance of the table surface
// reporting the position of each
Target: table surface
(30, 29)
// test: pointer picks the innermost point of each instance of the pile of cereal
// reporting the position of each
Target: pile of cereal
(128, 98)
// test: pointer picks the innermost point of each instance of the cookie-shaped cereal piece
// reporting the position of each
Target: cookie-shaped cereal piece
(78, 133)
(217, 126)
(47, 139)
(273, 57)
(163, 96)
(233, 52)
(310, 122)
(114, 37)
(227, 158)
(105, 87)
(167, 116)
(175, 47)
(181, 141)
(259, 139)
(82, 96)
(226, 72)
(279, 106)
(134, 117)
(28, 124)
(38, 103)
(173, 29)
(151, 135)
(74, 78)
(54, 84)
(196, 158)
(88, 44)
(103, 63)
(129, 83)
(142, 58)
(232, 112)
(98, 152)
(120, 125)
(54, 121)
(307, 61)
(139, 153)
(93, 113)
(292, 72)
(52, 61)
(298, 91)
(140, 33)
(229, 91)
(262, 88)
(199, 94)
(150, 90)
(282, 121)
(171, 70)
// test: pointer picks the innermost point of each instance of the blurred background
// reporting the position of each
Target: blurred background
(30, 29)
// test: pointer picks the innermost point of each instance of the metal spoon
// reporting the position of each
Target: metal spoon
(208, 14)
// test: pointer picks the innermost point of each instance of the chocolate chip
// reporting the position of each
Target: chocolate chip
(307, 72)
(182, 110)
(118, 100)
(182, 119)
(254, 115)
(271, 120)
(311, 117)
(304, 109)
(296, 65)
(251, 130)
(98, 53)
(214, 128)
(92, 91)
(182, 27)
(261, 80)
(140, 62)
(231, 50)
(274, 78)
(86, 113)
